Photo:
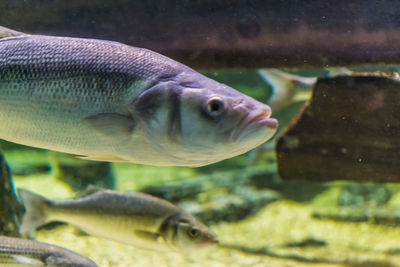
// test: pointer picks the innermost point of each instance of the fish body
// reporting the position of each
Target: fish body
(135, 218)
(22, 252)
(108, 101)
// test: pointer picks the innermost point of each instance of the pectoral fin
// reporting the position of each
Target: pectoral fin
(25, 260)
(110, 158)
(147, 236)
(90, 189)
(112, 124)
(79, 232)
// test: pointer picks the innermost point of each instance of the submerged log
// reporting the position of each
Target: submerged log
(222, 33)
(350, 129)
(10, 209)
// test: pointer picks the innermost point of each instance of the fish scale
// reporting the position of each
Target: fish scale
(21, 252)
(108, 101)
(85, 79)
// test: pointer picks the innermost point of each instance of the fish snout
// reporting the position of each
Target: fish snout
(261, 117)
(267, 111)
(256, 121)
(209, 242)
(214, 241)
(272, 123)
(251, 108)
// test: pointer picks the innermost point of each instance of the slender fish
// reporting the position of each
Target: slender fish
(108, 101)
(22, 252)
(137, 219)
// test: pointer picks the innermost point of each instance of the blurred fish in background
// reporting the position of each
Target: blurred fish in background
(286, 89)
(22, 252)
(136, 219)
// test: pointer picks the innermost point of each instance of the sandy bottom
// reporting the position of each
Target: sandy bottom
(261, 240)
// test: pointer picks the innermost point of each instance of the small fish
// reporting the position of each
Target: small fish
(287, 87)
(22, 252)
(108, 101)
(136, 219)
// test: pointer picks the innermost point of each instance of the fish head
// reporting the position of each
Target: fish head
(184, 232)
(199, 121)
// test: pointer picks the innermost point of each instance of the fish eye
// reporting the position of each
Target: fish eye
(215, 106)
(193, 232)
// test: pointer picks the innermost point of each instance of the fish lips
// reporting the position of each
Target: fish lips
(262, 121)
(211, 242)
(254, 123)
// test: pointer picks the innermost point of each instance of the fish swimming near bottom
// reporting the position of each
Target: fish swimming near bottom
(137, 219)
(22, 252)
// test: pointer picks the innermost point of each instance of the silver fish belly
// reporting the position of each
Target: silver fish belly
(21, 252)
(49, 85)
(107, 101)
(136, 219)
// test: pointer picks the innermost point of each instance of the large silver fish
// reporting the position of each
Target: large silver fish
(22, 252)
(108, 101)
(136, 219)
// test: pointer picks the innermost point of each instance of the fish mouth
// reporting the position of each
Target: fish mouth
(252, 123)
(262, 120)
(214, 241)
(210, 242)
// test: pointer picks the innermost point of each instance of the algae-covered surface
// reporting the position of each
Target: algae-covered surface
(283, 233)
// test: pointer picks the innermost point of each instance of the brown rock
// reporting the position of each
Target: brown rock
(350, 129)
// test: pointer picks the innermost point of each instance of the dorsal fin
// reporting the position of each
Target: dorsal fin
(90, 189)
(5, 32)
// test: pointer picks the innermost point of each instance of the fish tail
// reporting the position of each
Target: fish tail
(279, 78)
(339, 71)
(35, 210)
(284, 86)
(283, 89)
